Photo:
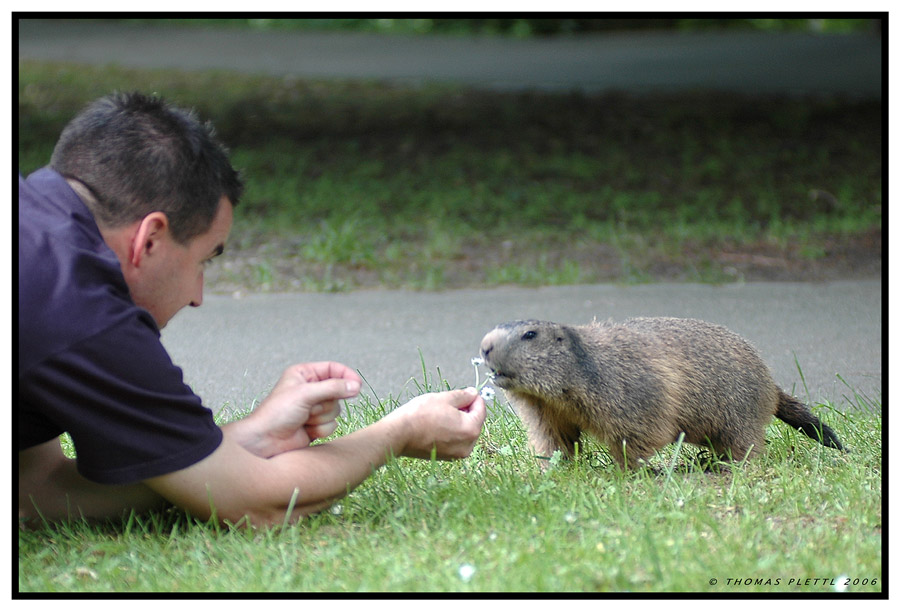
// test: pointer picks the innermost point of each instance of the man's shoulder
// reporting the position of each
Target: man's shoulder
(70, 282)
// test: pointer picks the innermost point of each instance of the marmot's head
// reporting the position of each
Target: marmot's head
(533, 356)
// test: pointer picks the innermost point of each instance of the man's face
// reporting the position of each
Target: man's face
(175, 278)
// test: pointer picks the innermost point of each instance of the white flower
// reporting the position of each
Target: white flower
(476, 361)
(840, 584)
(466, 571)
(487, 393)
(555, 458)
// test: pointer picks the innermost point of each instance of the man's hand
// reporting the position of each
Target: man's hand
(269, 451)
(312, 478)
(303, 407)
(447, 423)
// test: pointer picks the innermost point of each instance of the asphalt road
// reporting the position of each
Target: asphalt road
(233, 350)
(750, 62)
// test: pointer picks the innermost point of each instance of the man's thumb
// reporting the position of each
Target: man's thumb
(463, 397)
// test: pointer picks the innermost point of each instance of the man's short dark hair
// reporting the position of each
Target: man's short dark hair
(138, 154)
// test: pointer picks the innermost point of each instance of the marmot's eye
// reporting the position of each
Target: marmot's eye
(529, 335)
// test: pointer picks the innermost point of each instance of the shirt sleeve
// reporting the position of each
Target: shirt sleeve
(125, 405)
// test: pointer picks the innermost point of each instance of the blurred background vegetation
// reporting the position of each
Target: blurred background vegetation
(524, 27)
(360, 184)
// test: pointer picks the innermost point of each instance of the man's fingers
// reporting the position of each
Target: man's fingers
(478, 410)
(462, 398)
(314, 393)
(321, 371)
(326, 411)
(319, 431)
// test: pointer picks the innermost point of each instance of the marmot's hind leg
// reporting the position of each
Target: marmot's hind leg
(738, 448)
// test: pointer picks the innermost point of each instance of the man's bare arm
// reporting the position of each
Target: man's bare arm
(51, 487)
(233, 482)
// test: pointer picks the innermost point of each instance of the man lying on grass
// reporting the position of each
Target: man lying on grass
(113, 239)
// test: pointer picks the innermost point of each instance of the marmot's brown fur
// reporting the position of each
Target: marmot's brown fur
(639, 384)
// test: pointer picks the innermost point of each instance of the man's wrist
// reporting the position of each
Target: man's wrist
(248, 436)
(397, 432)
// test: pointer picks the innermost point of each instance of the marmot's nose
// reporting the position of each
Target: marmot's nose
(490, 341)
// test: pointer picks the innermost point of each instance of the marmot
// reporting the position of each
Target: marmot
(637, 385)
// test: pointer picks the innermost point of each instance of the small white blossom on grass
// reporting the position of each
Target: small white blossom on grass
(840, 584)
(86, 573)
(466, 571)
(476, 361)
(487, 393)
(555, 458)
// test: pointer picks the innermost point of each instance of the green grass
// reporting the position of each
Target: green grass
(362, 184)
(495, 523)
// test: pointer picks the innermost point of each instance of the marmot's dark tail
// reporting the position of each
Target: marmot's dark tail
(800, 417)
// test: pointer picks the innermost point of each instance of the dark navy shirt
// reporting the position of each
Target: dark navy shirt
(90, 361)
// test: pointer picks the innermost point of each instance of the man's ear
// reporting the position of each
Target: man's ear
(152, 231)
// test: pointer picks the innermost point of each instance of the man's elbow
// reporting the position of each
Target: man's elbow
(266, 516)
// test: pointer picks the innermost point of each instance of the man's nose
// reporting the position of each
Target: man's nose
(197, 301)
